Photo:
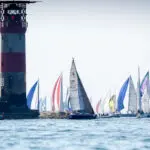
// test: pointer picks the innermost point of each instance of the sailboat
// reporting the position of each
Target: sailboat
(67, 103)
(79, 101)
(105, 111)
(127, 99)
(112, 104)
(145, 101)
(57, 96)
(108, 107)
(43, 104)
(144, 97)
(33, 97)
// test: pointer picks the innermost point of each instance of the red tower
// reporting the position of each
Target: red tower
(13, 26)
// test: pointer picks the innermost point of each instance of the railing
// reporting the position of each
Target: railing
(6, 24)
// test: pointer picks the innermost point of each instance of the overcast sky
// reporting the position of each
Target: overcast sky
(107, 38)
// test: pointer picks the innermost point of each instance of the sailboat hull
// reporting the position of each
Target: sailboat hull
(82, 116)
(143, 116)
(127, 115)
(109, 116)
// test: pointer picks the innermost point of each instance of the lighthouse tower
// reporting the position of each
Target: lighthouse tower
(13, 26)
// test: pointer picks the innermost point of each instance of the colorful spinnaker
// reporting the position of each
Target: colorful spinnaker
(33, 97)
(57, 95)
(127, 98)
(112, 104)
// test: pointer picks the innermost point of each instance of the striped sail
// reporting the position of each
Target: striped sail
(127, 99)
(33, 97)
(78, 97)
(57, 96)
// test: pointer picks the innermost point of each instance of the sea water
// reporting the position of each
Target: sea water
(63, 134)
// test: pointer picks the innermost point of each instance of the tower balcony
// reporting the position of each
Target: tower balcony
(13, 27)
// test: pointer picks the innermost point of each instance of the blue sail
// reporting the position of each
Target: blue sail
(122, 94)
(30, 94)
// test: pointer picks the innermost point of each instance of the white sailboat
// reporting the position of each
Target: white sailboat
(146, 102)
(79, 101)
(144, 98)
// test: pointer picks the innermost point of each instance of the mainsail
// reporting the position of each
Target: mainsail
(33, 97)
(57, 96)
(78, 98)
(132, 104)
(127, 98)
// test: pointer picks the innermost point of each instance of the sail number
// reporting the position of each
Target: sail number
(14, 12)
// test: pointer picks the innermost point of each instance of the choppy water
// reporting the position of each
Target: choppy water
(99, 134)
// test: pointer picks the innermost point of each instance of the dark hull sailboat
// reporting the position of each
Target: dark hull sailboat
(82, 116)
(78, 99)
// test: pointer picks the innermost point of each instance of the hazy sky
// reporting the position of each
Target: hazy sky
(107, 38)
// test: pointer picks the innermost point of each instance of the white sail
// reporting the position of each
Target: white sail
(106, 105)
(78, 97)
(74, 95)
(146, 101)
(132, 104)
(138, 92)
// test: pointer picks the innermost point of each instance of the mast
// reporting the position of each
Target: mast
(138, 91)
(38, 95)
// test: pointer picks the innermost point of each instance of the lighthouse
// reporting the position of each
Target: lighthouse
(13, 27)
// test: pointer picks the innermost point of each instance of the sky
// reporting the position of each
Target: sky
(107, 38)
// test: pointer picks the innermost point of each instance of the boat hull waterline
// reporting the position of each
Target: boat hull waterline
(82, 116)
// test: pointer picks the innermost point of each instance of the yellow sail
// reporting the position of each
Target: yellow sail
(112, 103)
